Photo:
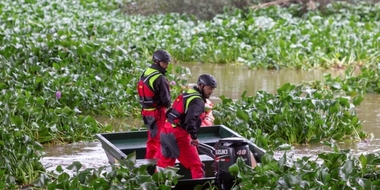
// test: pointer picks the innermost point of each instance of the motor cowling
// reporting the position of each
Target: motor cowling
(227, 151)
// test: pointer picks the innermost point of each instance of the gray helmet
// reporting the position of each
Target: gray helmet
(161, 55)
(207, 80)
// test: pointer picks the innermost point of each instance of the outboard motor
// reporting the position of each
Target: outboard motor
(227, 150)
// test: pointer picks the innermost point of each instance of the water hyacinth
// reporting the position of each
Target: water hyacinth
(58, 94)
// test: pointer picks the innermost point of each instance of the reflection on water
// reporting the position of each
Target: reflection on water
(232, 82)
(369, 114)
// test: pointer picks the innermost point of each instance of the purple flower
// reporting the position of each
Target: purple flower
(58, 94)
(173, 83)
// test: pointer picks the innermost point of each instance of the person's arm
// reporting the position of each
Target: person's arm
(162, 87)
(192, 119)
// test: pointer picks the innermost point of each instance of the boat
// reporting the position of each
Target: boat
(120, 144)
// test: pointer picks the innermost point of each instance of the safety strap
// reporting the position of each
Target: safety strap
(149, 76)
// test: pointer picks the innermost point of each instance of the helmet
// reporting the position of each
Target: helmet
(207, 80)
(161, 55)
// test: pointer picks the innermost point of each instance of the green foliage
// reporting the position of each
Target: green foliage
(44, 119)
(337, 170)
(19, 157)
(127, 175)
(62, 61)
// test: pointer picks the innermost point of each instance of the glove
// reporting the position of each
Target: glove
(194, 136)
(194, 142)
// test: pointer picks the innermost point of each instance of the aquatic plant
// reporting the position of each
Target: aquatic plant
(62, 62)
(299, 114)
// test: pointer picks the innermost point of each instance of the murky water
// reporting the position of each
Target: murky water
(91, 155)
(232, 82)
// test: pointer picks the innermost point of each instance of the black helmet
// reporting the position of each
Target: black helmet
(207, 80)
(161, 55)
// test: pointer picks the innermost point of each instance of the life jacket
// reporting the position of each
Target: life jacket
(176, 114)
(145, 88)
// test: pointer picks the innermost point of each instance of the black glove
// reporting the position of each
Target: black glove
(194, 136)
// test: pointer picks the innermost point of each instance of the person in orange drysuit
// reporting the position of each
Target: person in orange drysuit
(154, 93)
(208, 120)
(179, 137)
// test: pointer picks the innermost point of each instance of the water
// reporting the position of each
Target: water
(91, 155)
(232, 82)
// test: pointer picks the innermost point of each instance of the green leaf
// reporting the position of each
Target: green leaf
(334, 108)
(357, 100)
(234, 169)
(285, 88)
(148, 185)
(51, 186)
(336, 86)
(157, 176)
(347, 169)
(282, 161)
(291, 180)
(18, 121)
(338, 136)
(278, 118)
(363, 161)
(143, 178)
(66, 110)
(40, 101)
(75, 166)
(56, 66)
(59, 169)
(3, 86)
(242, 115)
(164, 187)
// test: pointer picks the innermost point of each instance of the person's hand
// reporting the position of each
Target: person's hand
(194, 142)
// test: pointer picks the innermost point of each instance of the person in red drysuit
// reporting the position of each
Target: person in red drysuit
(154, 93)
(179, 137)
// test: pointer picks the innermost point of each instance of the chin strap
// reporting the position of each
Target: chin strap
(202, 91)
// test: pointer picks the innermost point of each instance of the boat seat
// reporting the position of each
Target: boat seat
(142, 144)
(208, 140)
(131, 146)
(153, 161)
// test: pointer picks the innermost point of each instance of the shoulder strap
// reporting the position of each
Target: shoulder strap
(150, 75)
(190, 95)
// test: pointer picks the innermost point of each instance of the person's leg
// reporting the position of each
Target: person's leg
(189, 156)
(151, 123)
(160, 116)
(169, 149)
